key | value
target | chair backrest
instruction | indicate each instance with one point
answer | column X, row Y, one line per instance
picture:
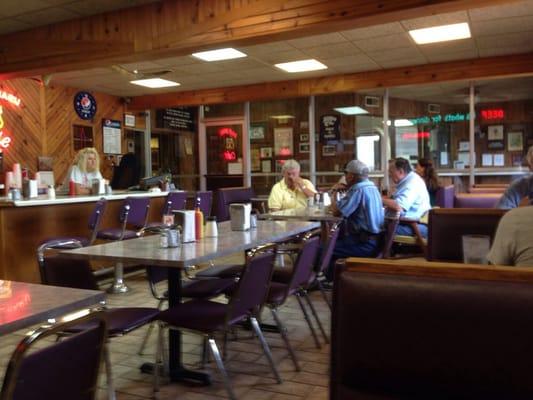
column 226, row 196
column 304, row 264
column 137, row 214
column 327, row 250
column 206, row 198
column 444, row 196
column 174, row 201
column 476, row 200
column 66, row 369
column 59, row 271
column 156, row 274
column 391, row 223
column 253, row 285
column 447, row 226
column 96, row 217
column 421, row 332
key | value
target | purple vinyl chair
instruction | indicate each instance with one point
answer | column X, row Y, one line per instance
column 208, row 317
column 191, row 289
column 94, row 223
column 132, row 217
column 300, row 277
column 174, row 201
column 63, row 370
column 60, row 271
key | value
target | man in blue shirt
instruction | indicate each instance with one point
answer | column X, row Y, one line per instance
column 362, row 210
column 411, row 197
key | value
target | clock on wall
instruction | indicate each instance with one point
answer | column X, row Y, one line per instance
column 85, row 105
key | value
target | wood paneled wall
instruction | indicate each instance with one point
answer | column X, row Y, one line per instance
column 42, row 125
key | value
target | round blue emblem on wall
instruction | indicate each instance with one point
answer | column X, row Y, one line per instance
column 85, row 105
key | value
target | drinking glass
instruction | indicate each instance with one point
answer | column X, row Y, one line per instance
column 475, row 249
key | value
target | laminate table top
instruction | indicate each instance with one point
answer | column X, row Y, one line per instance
column 26, row 304
column 301, row 214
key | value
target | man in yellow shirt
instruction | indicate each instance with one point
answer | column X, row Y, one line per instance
column 292, row 191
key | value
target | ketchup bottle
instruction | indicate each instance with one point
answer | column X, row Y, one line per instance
column 198, row 221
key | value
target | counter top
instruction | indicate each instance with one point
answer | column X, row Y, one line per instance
column 44, row 200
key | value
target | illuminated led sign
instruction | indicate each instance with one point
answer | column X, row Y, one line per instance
column 228, row 135
column 5, row 140
column 415, row 135
column 455, row 117
column 9, row 97
column 494, row 113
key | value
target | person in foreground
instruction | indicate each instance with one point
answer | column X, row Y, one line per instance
column 362, row 210
column 292, row 191
column 520, row 189
column 424, row 168
column 86, row 168
column 410, row 199
column 512, row 243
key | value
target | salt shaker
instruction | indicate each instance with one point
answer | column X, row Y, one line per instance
column 163, row 240
column 51, row 192
column 211, row 229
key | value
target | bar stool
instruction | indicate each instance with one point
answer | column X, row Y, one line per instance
column 132, row 217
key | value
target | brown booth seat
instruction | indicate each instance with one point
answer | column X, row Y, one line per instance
column 408, row 330
column 447, row 226
column 476, row 200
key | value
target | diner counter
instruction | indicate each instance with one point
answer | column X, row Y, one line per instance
column 25, row 224
column 43, row 200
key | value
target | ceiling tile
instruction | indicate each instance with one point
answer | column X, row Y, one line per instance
column 501, row 51
column 144, row 66
column 47, row 16
column 395, row 54
column 358, row 59
column 283, row 56
column 331, row 51
column 507, row 40
column 435, row 20
column 373, row 31
column 402, row 63
column 241, row 63
column 267, row 48
column 510, row 9
column 17, row 7
column 454, row 46
column 10, row 25
column 384, row 42
column 318, row 40
column 353, row 68
column 201, row 68
column 503, row 26
column 443, row 57
column 176, row 61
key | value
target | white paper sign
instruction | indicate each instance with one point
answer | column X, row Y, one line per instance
column 486, row 160
column 112, row 136
column 499, row 160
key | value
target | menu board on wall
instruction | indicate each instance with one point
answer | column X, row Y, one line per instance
column 182, row 118
column 112, row 136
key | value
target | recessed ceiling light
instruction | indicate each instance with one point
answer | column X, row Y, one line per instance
column 219, row 55
column 301, row 66
column 282, row 116
column 354, row 110
column 155, row 83
column 441, row 33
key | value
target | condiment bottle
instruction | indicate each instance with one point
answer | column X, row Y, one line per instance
column 51, row 192
column 198, row 221
column 71, row 188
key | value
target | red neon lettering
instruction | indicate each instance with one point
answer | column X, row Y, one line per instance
column 227, row 132
column 418, row 135
column 496, row 113
column 285, row 151
column 229, row 155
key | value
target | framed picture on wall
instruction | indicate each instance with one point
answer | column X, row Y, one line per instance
column 82, row 136
column 304, row 148
column 283, row 142
column 515, row 141
column 257, row 131
column 304, row 137
column 495, row 132
column 266, row 152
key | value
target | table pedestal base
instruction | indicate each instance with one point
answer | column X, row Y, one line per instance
column 182, row 375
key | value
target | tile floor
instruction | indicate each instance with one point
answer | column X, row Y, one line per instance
column 247, row 367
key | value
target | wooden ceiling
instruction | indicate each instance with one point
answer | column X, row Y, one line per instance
column 174, row 28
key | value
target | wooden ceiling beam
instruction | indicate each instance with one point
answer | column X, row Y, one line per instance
column 179, row 27
column 489, row 67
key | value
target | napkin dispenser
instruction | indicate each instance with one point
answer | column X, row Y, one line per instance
column 185, row 218
column 240, row 216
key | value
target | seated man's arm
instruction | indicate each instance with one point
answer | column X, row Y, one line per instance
column 305, row 186
column 392, row 205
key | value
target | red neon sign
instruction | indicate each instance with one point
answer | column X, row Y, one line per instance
column 9, row 97
column 5, row 140
column 229, row 155
column 417, row 135
column 494, row 113
column 222, row 132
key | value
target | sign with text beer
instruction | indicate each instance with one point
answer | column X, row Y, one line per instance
column 178, row 118
column 329, row 127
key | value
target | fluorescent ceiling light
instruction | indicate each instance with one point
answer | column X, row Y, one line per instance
column 441, row 33
column 219, row 55
column 155, row 83
column 354, row 110
column 402, row 122
column 282, row 116
column 301, row 66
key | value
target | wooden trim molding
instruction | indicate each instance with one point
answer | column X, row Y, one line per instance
column 489, row 67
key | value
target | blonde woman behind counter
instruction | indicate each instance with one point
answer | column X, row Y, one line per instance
column 292, row 191
column 86, row 168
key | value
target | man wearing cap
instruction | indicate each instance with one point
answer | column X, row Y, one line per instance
column 362, row 210
column 292, row 191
